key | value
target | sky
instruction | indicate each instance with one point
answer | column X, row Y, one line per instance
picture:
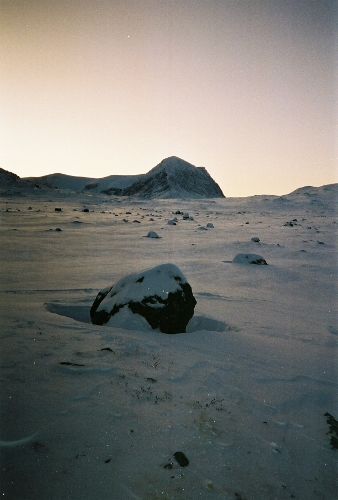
column 245, row 88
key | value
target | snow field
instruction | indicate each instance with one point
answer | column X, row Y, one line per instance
column 242, row 394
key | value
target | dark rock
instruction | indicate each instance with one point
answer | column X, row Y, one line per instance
column 333, row 429
column 181, row 458
column 93, row 185
column 58, row 209
column 161, row 295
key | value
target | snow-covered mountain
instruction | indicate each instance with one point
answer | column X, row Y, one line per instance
column 172, row 178
column 175, row 178
column 110, row 185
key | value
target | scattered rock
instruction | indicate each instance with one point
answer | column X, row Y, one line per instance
column 249, row 258
column 58, row 209
column 333, row 425
column 255, row 239
column 291, row 223
column 85, row 210
column 172, row 222
column 186, row 216
column 161, row 295
column 181, row 458
column 152, row 234
column 67, row 363
column 210, row 225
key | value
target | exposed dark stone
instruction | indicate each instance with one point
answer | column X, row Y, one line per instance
column 181, row 458
column 333, row 429
column 88, row 187
column 170, row 312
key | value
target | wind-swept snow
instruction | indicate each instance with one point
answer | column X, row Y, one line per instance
column 248, row 394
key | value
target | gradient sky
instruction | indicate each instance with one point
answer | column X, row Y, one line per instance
column 245, row 88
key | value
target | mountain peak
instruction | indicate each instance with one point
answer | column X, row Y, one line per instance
column 175, row 178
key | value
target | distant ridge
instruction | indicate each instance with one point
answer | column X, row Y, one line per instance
column 171, row 178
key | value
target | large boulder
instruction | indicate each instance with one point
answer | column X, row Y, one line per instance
column 161, row 295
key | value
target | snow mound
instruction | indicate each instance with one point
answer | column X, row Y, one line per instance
column 152, row 234
column 249, row 258
column 161, row 295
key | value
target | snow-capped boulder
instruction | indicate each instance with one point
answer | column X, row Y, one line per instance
column 249, row 258
column 161, row 295
column 152, row 234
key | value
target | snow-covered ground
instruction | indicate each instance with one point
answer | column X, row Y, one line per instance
column 98, row 412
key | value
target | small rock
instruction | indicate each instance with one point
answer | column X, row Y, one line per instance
column 210, row 225
column 181, row 458
column 186, row 216
column 152, row 234
column 249, row 258
column 255, row 239
column 58, row 209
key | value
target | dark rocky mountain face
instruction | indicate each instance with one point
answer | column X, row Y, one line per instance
column 6, row 176
column 175, row 178
column 150, row 186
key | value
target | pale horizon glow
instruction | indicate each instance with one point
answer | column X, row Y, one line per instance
column 246, row 89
